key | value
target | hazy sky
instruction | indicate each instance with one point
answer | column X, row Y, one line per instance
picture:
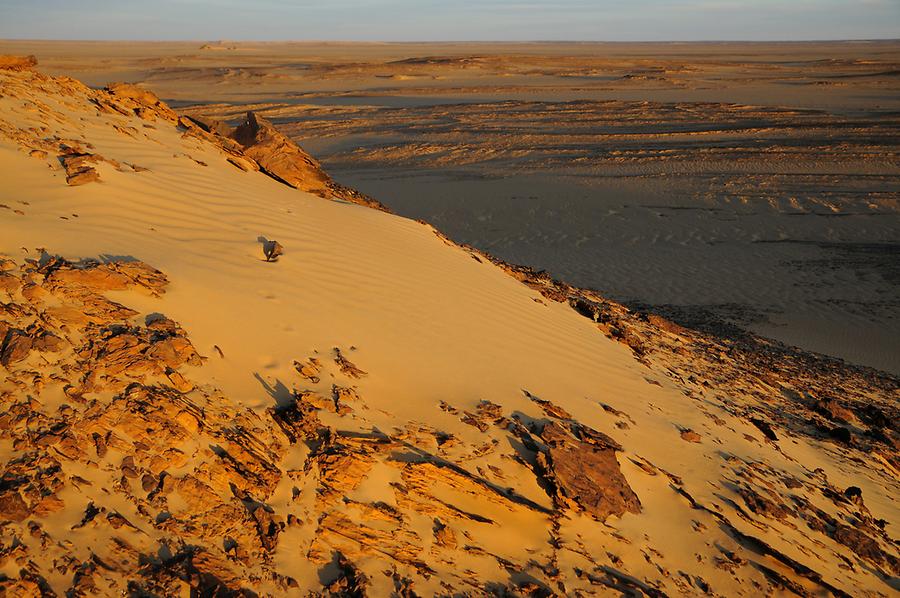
column 406, row 20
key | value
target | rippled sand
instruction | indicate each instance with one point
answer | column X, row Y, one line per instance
column 721, row 184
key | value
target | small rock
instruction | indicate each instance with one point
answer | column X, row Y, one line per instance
column 309, row 370
column 9, row 283
column 841, row 434
column 346, row 366
column 78, row 168
column 586, row 476
column 833, row 411
column 179, row 382
column 272, row 250
column 16, row 348
column 13, row 507
column 765, row 428
column 854, row 493
column 690, row 436
column 443, row 535
column 149, row 482
column 241, row 163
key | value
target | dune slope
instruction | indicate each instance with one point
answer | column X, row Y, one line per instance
column 378, row 410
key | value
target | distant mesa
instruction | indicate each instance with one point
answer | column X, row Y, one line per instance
column 218, row 46
column 458, row 61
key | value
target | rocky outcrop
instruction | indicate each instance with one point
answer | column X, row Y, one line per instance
column 183, row 464
column 764, row 373
column 345, row 366
column 255, row 145
column 128, row 99
column 585, row 473
column 147, row 457
column 140, row 96
column 78, row 168
column 263, row 147
column 10, row 62
column 279, row 156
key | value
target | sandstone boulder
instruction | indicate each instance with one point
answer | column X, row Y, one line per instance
column 78, row 168
column 586, row 475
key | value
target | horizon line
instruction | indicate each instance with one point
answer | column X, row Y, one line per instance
column 456, row 41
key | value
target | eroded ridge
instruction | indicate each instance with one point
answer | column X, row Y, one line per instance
column 254, row 146
column 131, row 475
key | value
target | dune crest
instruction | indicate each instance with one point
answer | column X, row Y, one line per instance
column 380, row 411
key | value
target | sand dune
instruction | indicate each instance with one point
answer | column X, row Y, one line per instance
column 753, row 184
column 379, row 410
